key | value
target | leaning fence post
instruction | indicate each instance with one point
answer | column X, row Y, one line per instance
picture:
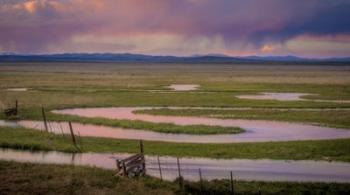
column 232, row 189
column 44, row 117
column 160, row 169
column 180, row 176
column 200, row 180
column 143, row 157
column 72, row 133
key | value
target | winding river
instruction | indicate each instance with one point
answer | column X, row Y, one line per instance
column 255, row 130
column 243, row 169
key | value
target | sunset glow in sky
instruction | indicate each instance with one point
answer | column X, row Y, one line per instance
column 307, row 28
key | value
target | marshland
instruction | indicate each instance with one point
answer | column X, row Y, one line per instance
column 135, row 99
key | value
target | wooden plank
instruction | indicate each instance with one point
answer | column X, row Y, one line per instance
column 131, row 158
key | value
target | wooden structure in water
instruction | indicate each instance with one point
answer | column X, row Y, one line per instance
column 12, row 112
column 134, row 165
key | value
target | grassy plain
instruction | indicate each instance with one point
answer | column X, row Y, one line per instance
column 67, row 85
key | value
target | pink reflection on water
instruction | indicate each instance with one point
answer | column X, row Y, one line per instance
column 256, row 130
column 243, row 169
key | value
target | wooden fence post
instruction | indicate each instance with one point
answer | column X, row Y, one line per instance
column 160, row 169
column 200, row 180
column 16, row 107
column 117, row 163
column 44, row 118
column 180, row 176
column 72, row 133
column 143, row 157
column 141, row 147
column 232, row 189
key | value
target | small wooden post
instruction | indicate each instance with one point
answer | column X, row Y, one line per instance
column 141, row 147
column 259, row 191
column 117, row 163
column 200, row 180
column 180, row 176
column 143, row 157
column 16, row 108
column 44, row 118
column 160, row 169
column 232, row 189
column 72, row 133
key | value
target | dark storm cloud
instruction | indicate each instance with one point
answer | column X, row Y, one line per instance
column 48, row 25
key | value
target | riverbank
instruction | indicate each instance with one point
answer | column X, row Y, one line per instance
column 338, row 150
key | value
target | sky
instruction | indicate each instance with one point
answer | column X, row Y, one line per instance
column 306, row 28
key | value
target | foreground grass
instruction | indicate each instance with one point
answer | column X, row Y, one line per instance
column 339, row 150
column 25, row 178
column 333, row 118
column 17, row 178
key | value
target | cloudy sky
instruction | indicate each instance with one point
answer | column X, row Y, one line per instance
column 308, row 28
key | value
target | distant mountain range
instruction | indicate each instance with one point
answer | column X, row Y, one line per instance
column 139, row 58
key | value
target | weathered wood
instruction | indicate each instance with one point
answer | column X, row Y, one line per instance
column 160, row 169
column 131, row 158
column 178, row 166
column 200, row 180
column 143, row 156
column 180, row 176
column 117, row 163
column 141, row 147
column 137, row 161
column 132, row 165
column 72, row 134
column 124, row 169
column 232, row 189
column 16, row 107
column 44, row 118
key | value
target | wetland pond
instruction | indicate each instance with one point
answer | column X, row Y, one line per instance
column 243, row 169
column 286, row 97
column 183, row 87
column 17, row 89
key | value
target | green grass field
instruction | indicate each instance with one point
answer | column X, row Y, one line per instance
column 70, row 85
